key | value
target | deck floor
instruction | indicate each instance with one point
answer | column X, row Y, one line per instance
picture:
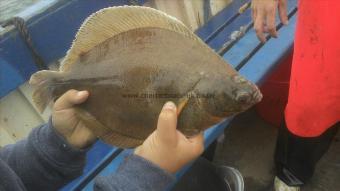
column 249, row 146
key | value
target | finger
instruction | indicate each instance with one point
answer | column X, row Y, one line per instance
column 265, row 30
column 253, row 14
column 83, row 134
column 167, row 123
column 198, row 143
column 259, row 25
column 70, row 98
column 270, row 20
column 283, row 11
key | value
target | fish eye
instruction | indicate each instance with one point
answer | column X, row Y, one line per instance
column 242, row 97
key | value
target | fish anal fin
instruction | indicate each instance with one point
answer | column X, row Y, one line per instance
column 121, row 141
column 91, row 122
column 104, row 133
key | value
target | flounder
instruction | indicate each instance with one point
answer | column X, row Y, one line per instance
column 132, row 60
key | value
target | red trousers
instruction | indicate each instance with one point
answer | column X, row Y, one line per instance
column 314, row 92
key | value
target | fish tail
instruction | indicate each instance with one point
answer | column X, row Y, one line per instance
column 42, row 81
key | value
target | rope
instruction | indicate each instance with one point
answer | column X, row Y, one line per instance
column 20, row 25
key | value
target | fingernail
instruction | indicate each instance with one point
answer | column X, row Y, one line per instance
column 81, row 93
column 169, row 105
column 285, row 22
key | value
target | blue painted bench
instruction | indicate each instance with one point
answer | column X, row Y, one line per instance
column 53, row 32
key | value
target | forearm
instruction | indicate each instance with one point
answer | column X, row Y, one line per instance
column 44, row 161
column 138, row 174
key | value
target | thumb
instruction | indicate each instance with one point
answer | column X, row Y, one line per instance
column 70, row 98
column 167, row 123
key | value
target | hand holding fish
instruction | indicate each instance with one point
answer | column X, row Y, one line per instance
column 264, row 12
column 167, row 147
column 66, row 122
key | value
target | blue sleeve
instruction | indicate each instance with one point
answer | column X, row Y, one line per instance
column 137, row 174
column 44, row 161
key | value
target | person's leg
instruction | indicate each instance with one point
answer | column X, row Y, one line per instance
column 296, row 157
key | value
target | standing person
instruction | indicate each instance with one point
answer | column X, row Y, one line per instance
column 313, row 109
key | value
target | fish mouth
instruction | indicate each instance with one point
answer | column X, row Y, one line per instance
column 246, row 101
column 257, row 96
column 248, row 98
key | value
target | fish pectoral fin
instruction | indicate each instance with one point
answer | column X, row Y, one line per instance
column 181, row 104
column 184, row 101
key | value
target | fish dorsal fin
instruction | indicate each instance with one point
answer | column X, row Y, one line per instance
column 111, row 21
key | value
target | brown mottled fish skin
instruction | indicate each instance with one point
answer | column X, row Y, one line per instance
column 151, row 62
